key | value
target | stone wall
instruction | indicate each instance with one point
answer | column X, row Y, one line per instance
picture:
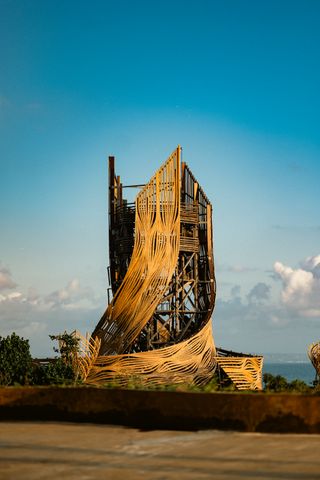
column 252, row 412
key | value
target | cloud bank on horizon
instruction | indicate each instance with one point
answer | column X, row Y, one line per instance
column 73, row 306
column 36, row 316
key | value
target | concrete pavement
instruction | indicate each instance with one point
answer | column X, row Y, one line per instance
column 34, row 451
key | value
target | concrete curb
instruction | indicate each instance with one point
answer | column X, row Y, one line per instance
column 255, row 412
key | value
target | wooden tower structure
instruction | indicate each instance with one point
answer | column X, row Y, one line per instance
column 190, row 294
column 158, row 323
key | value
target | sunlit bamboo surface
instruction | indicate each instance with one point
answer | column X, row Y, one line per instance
column 191, row 361
column 155, row 254
column 154, row 258
column 314, row 355
column 245, row 372
column 88, row 351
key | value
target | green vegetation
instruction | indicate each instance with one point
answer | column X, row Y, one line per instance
column 277, row 383
column 18, row 368
column 15, row 361
column 136, row 383
column 62, row 370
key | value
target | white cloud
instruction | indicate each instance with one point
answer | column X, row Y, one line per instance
column 235, row 291
column 35, row 316
column 312, row 264
column 250, row 326
column 235, row 268
column 72, row 296
column 260, row 292
column 6, row 281
column 301, row 286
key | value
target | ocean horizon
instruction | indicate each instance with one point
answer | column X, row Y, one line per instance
column 291, row 370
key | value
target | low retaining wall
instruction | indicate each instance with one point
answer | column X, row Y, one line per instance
column 255, row 412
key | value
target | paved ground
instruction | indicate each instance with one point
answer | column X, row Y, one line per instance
column 76, row 451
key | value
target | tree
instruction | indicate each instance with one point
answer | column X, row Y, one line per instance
column 15, row 360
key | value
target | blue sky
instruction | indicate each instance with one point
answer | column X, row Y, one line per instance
column 235, row 83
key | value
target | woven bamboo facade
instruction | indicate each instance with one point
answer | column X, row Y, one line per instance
column 314, row 355
column 157, row 326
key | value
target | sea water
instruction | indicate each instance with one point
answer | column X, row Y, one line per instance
column 291, row 370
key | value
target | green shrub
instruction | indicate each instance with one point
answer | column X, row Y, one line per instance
column 64, row 369
column 55, row 373
column 278, row 383
column 275, row 383
column 299, row 386
column 15, row 360
column 68, row 346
